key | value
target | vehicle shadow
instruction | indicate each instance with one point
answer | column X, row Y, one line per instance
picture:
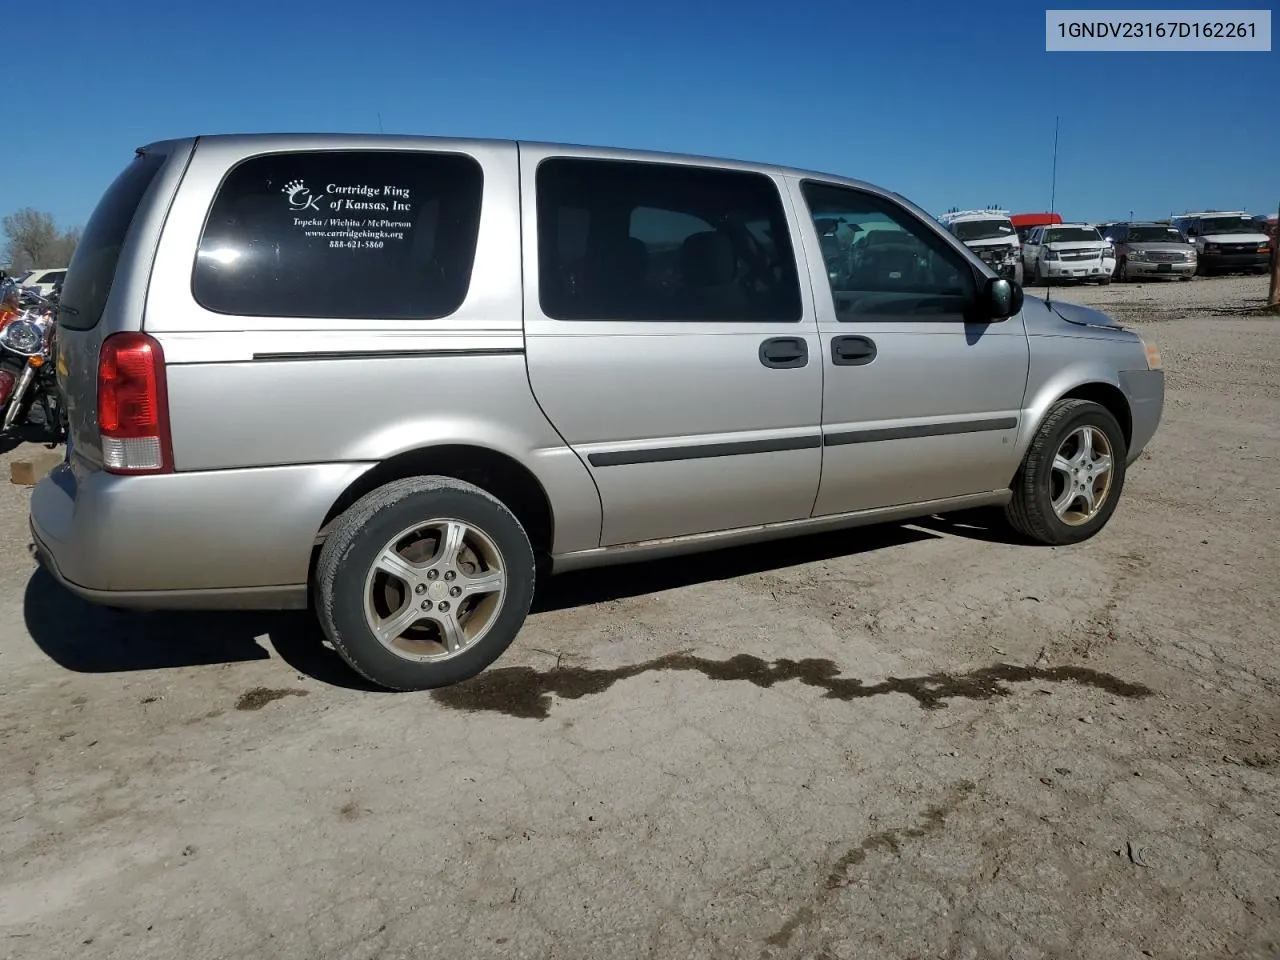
column 652, row 576
column 27, row 434
column 983, row 523
column 87, row 638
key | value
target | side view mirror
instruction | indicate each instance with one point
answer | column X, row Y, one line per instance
column 1001, row 299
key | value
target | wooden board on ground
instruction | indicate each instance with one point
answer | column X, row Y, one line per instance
column 30, row 470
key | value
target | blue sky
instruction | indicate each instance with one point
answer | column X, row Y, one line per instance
column 949, row 104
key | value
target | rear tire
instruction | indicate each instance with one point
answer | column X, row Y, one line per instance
column 354, row 591
column 1039, row 484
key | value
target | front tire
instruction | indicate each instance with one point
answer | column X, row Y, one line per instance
column 1072, row 476
column 424, row 582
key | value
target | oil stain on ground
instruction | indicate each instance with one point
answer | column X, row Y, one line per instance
column 931, row 821
column 525, row 692
column 259, row 697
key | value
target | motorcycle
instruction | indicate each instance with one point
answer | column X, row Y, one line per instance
column 28, row 373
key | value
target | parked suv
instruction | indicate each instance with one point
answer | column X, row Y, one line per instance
column 989, row 234
column 1066, row 251
column 1226, row 241
column 390, row 378
column 1151, row 250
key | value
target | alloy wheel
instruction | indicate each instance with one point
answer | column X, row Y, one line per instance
column 435, row 589
column 1080, row 481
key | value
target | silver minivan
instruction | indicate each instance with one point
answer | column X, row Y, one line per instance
column 394, row 379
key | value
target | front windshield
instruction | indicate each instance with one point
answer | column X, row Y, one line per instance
column 1070, row 234
column 1154, row 235
column 982, row 229
column 1209, row 225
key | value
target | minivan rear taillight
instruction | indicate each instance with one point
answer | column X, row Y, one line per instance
column 133, row 409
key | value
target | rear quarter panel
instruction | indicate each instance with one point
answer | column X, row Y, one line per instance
column 252, row 392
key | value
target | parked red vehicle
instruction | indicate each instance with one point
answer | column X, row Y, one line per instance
column 1025, row 222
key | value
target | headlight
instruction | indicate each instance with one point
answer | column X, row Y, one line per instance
column 23, row 336
column 1137, row 255
column 1210, row 246
column 1153, row 355
column 1050, row 255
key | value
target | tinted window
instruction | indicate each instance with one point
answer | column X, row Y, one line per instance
column 54, row 277
column 883, row 263
column 359, row 234
column 93, row 265
column 621, row 240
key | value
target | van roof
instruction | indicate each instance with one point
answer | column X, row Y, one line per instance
column 959, row 216
column 294, row 141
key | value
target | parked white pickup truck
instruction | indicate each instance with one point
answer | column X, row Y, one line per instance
column 1066, row 251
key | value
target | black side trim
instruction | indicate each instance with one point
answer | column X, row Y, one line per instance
column 621, row 458
column 386, row 354
column 920, row 430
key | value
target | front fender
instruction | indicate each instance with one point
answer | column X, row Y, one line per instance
column 1052, row 378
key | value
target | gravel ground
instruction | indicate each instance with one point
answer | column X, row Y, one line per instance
column 914, row 741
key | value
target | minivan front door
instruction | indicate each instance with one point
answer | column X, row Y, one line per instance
column 670, row 341
column 918, row 405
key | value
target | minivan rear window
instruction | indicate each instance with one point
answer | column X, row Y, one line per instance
column 93, row 265
column 359, row 234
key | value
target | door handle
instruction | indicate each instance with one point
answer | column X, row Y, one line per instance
column 784, row 353
column 852, row 351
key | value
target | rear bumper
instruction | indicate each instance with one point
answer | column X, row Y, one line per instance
column 1145, row 392
column 228, row 539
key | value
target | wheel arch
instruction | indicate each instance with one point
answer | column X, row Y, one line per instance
column 497, row 473
column 1093, row 386
column 1105, row 395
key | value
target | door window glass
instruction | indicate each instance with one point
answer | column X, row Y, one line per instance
column 883, row 263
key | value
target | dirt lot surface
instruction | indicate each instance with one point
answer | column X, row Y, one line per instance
column 913, row 741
